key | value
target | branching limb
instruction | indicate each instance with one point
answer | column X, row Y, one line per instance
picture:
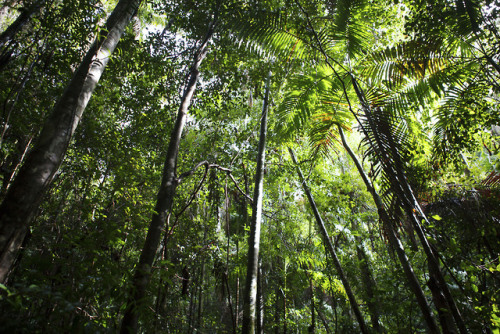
column 208, row 165
column 190, row 172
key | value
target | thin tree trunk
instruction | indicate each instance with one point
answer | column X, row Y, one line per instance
column 22, row 199
column 435, row 268
column 250, row 295
column 445, row 317
column 328, row 245
column 394, row 241
column 23, row 148
column 229, row 299
column 402, row 189
column 276, row 310
column 323, row 320
column 312, row 326
column 164, row 200
column 285, row 306
column 190, row 326
column 199, row 322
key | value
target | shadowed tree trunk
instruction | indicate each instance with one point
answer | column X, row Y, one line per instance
column 250, row 295
column 445, row 317
column 165, row 197
column 402, row 189
column 41, row 164
column 328, row 245
column 394, row 241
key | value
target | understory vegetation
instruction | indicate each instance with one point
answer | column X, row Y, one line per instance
column 244, row 166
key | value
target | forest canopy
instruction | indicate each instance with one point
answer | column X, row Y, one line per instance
column 245, row 166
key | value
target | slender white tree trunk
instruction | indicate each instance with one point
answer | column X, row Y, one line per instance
column 250, row 295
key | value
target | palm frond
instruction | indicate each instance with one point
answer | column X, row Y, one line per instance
column 317, row 96
column 323, row 136
column 467, row 17
column 409, row 82
column 464, row 111
column 413, row 60
column 267, row 33
column 386, row 141
column 350, row 29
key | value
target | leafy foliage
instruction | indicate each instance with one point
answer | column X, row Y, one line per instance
column 414, row 83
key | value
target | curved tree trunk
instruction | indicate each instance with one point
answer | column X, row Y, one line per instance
column 328, row 245
column 250, row 295
column 35, row 176
column 164, row 198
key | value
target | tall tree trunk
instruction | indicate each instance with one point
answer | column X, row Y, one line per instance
column 435, row 270
column 250, row 295
column 164, row 198
column 199, row 318
column 394, row 241
column 285, row 301
column 445, row 317
column 276, row 310
column 312, row 326
column 35, row 176
column 328, row 245
column 402, row 189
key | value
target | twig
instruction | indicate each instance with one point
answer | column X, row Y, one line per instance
column 207, row 166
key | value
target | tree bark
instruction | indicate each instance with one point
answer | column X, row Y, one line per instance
column 164, row 197
column 394, row 241
column 369, row 283
column 260, row 302
column 22, row 199
column 250, row 295
column 328, row 245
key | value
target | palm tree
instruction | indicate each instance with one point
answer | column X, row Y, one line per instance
column 329, row 246
column 387, row 85
column 384, row 137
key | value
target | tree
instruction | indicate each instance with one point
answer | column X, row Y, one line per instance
column 250, row 295
column 19, row 23
column 165, row 194
column 391, row 107
column 42, row 163
column 331, row 250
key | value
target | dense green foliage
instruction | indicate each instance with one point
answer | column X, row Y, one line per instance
column 415, row 86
